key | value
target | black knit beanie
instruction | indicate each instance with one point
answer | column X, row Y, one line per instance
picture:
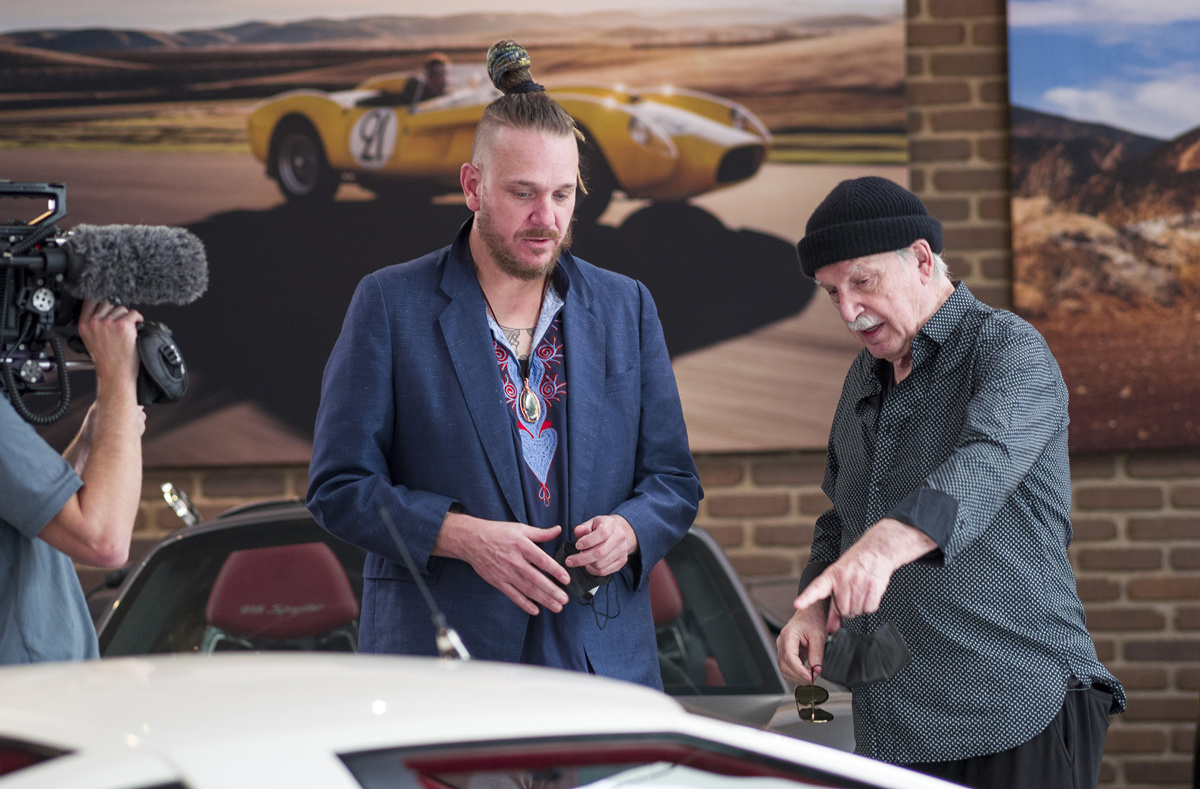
column 865, row 216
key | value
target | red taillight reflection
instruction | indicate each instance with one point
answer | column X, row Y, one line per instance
column 19, row 755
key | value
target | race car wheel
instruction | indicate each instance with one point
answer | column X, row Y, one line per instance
column 301, row 169
column 599, row 179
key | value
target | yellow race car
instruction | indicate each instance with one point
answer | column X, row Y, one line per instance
column 662, row 144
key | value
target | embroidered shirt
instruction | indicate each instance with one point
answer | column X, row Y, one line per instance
column 970, row 448
column 541, row 445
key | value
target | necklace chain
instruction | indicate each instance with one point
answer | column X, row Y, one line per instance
column 527, row 401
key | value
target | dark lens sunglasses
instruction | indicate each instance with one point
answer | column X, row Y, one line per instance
column 807, row 699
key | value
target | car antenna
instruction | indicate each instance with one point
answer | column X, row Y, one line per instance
column 449, row 645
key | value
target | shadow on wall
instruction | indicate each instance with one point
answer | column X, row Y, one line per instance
column 280, row 282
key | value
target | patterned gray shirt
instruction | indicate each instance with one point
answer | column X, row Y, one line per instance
column 971, row 448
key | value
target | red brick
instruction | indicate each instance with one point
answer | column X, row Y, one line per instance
column 976, row 63
column 808, row 469
column 1165, row 528
column 914, row 64
column 719, row 473
column 916, row 125
column 1094, row 529
column 795, row 534
column 933, row 34
column 1187, row 618
column 957, row 150
column 1173, row 649
column 814, row 504
column 749, row 505
column 993, row 149
column 994, row 91
column 1187, row 678
column 726, row 536
column 1104, row 618
column 919, row 94
column 968, row 120
column 1096, row 589
column 949, row 9
column 990, row 33
column 959, row 266
column 750, row 565
column 949, row 209
column 1185, row 558
column 975, row 237
column 997, row 267
column 1163, row 771
column 916, row 180
column 1092, row 466
column 1135, row 677
column 1120, row 559
column 1187, row 496
column 1183, row 739
column 1106, row 650
column 1118, row 497
column 996, row 296
column 1163, row 588
column 991, row 207
column 1145, row 707
column 976, row 179
column 1164, row 464
column 1129, row 739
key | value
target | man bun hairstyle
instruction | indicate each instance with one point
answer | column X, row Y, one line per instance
column 525, row 104
column 865, row 216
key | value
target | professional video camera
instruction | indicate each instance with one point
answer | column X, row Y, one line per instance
column 46, row 274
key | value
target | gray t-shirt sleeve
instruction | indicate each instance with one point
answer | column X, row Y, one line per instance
column 35, row 481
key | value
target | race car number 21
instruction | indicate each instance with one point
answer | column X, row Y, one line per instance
column 374, row 138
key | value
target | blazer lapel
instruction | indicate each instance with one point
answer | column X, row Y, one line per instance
column 468, row 340
column 586, row 353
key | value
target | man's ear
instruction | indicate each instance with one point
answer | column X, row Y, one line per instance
column 924, row 255
column 471, row 179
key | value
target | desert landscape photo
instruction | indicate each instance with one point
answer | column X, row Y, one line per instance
column 1106, row 225
column 148, row 126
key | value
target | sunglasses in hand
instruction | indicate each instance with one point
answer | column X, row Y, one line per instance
column 807, row 699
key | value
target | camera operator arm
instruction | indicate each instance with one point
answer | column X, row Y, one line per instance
column 95, row 525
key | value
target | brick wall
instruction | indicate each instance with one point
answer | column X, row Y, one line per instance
column 1137, row 516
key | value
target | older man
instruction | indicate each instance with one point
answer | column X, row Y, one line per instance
column 948, row 471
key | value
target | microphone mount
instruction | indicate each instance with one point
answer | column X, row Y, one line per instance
column 39, row 313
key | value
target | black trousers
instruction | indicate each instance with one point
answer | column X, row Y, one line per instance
column 1066, row 755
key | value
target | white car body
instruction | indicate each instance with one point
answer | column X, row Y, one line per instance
column 286, row 719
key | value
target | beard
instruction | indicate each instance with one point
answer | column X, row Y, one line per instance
column 503, row 253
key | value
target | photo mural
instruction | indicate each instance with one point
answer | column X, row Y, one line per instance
column 1106, row 210
column 293, row 145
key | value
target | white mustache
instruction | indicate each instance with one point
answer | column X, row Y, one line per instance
column 864, row 323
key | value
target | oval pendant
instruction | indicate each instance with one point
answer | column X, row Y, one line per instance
column 531, row 409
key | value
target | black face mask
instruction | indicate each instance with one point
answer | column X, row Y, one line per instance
column 856, row 659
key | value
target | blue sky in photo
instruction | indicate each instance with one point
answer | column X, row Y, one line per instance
column 1132, row 64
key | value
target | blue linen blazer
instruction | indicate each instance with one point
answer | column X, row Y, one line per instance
column 413, row 418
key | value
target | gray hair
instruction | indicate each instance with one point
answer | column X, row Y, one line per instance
column 939, row 264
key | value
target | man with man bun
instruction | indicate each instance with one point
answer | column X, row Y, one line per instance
column 501, row 398
column 948, row 471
